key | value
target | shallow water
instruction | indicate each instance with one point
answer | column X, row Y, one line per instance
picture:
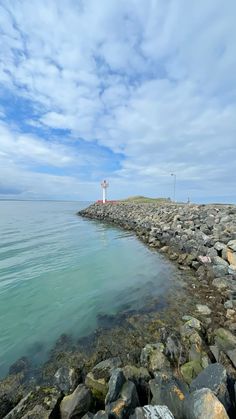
column 58, row 272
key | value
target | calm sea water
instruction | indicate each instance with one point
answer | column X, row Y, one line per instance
column 58, row 271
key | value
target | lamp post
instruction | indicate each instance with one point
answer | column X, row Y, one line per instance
column 174, row 176
column 104, row 186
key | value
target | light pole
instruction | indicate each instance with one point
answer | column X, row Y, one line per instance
column 174, row 176
column 104, row 186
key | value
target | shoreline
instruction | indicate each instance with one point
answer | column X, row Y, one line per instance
column 150, row 358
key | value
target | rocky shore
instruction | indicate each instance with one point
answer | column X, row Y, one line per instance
column 177, row 363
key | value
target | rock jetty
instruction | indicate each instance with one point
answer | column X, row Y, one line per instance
column 145, row 367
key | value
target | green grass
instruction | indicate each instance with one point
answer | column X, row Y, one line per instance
column 144, row 199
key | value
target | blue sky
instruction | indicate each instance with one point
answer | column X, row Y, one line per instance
column 130, row 91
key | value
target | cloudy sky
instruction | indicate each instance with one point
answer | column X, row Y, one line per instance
column 125, row 90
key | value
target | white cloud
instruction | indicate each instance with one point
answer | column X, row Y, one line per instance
column 155, row 80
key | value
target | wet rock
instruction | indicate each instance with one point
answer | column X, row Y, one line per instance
column 152, row 412
column 153, row 358
column 66, row 379
column 42, row 401
column 203, row 309
column 104, row 368
column 76, row 404
column 203, row 404
column 11, row 392
column 170, row 392
column 115, row 384
column 214, row 377
column 126, row 403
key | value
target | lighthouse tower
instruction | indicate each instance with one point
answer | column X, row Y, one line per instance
column 104, row 186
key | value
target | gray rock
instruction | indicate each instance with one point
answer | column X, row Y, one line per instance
column 104, row 368
column 232, row 356
column 232, row 270
column 224, row 339
column 220, row 270
column 213, row 377
column 203, row 404
column 153, row 358
column 66, row 379
column 152, row 412
column 101, row 414
column 115, row 384
column 41, row 404
column 126, row 404
column 232, row 245
column 169, row 392
column 220, row 283
column 219, row 246
column 203, row 309
column 88, row 415
column 76, row 404
column 228, row 304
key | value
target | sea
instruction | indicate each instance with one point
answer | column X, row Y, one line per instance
column 59, row 272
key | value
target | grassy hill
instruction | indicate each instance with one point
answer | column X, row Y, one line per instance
column 144, row 199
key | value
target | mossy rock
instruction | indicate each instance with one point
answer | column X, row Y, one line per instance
column 190, row 370
column 98, row 387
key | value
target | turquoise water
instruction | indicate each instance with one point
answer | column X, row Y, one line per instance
column 58, row 271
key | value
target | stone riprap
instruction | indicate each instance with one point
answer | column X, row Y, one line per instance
column 193, row 235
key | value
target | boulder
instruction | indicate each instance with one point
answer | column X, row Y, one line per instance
column 213, row 377
column 231, row 256
column 153, row 358
column 232, row 245
column 224, row 339
column 11, row 392
column 77, row 403
column 170, row 392
column 125, row 404
column 220, row 283
column 203, row 309
column 104, row 368
column 101, row 414
column 98, row 387
column 66, row 379
column 115, row 384
column 192, row 323
column 152, row 412
column 203, row 404
column 41, row 403
column 190, row 370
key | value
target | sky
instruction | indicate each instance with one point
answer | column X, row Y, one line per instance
column 127, row 91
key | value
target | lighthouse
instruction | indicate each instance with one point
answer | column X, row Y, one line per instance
column 104, row 186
